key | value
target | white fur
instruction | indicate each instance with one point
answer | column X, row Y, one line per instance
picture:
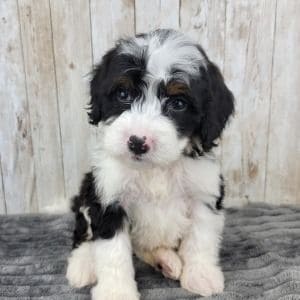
column 169, row 261
column 202, row 278
column 85, row 211
column 81, row 271
column 114, row 166
column 114, row 269
column 199, row 251
column 176, row 51
column 107, row 262
column 169, row 198
column 202, row 177
column 165, row 145
column 168, row 205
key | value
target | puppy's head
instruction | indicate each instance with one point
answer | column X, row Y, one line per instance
column 157, row 96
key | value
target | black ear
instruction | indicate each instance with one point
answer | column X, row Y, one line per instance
column 217, row 109
column 98, row 88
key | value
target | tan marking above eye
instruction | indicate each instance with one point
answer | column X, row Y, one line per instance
column 124, row 81
column 176, row 88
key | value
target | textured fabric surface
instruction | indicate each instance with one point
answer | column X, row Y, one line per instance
column 260, row 257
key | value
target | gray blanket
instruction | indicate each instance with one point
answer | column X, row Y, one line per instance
column 260, row 257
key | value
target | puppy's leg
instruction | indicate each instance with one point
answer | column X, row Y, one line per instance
column 103, row 250
column 114, row 268
column 169, row 262
column 112, row 254
column 80, row 270
column 163, row 259
column 199, row 251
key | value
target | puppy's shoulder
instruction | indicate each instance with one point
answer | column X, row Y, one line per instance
column 205, row 165
column 202, row 174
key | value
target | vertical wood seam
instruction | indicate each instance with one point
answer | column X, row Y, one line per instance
column 111, row 21
column 270, row 102
column 179, row 13
column 57, row 99
column 3, row 187
column 91, row 34
column 244, row 160
column 225, row 34
column 28, row 111
column 159, row 9
column 223, row 70
column 134, row 15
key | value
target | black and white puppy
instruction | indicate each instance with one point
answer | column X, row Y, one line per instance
column 154, row 189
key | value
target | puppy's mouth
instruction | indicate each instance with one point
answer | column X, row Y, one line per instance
column 137, row 157
column 141, row 159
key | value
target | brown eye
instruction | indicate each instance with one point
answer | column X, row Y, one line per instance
column 177, row 104
column 123, row 95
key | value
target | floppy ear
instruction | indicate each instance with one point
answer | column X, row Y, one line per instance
column 98, row 87
column 217, row 109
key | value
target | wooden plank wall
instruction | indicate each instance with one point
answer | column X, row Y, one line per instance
column 48, row 48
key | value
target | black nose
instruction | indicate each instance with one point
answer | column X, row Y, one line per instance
column 137, row 145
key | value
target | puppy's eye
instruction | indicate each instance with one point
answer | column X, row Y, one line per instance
column 177, row 104
column 124, row 95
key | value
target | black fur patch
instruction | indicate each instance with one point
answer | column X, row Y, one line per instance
column 104, row 222
column 111, row 221
column 218, row 106
column 219, row 203
column 210, row 102
column 113, row 66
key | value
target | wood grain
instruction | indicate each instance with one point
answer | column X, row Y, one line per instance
column 17, row 157
column 3, row 209
column 204, row 21
column 248, row 62
column 150, row 15
column 48, row 47
column 283, row 170
column 110, row 20
column 73, row 62
column 42, row 100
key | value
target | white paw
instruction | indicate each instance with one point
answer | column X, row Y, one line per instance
column 104, row 291
column 80, row 270
column 202, row 279
column 168, row 262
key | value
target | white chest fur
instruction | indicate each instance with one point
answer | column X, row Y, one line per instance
column 158, row 209
column 158, row 201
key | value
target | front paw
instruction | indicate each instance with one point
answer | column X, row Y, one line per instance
column 168, row 262
column 202, row 279
column 103, row 291
column 80, row 270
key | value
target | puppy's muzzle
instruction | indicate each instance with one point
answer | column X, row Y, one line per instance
column 138, row 145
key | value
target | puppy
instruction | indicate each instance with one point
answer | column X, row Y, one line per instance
column 154, row 189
